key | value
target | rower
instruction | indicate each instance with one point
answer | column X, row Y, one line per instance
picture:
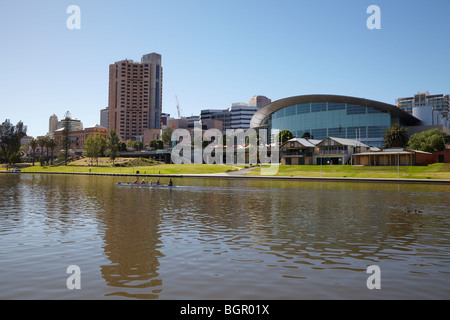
column 170, row 183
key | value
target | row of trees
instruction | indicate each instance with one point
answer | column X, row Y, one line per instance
column 429, row 141
column 97, row 146
column 44, row 142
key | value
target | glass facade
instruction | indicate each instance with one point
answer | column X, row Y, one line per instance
column 329, row 119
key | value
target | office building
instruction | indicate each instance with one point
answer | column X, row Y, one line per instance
column 74, row 124
column 53, row 124
column 135, row 97
column 104, row 118
column 259, row 101
column 238, row 116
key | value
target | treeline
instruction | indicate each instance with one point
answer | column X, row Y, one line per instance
column 10, row 136
column 432, row 140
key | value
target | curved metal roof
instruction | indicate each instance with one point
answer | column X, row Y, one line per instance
column 265, row 111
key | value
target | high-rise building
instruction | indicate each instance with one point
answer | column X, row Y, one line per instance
column 432, row 110
column 238, row 116
column 74, row 124
column 53, row 124
column 259, row 101
column 135, row 97
column 104, row 118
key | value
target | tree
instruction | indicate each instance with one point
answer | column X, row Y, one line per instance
column 33, row 144
column 51, row 144
column 395, row 137
column 307, row 135
column 66, row 136
column 14, row 158
column 157, row 144
column 252, row 137
column 41, row 142
column 167, row 137
column 122, row 146
column 47, row 142
column 10, row 137
column 93, row 147
column 112, row 145
column 224, row 140
column 429, row 141
column 137, row 145
column 285, row 136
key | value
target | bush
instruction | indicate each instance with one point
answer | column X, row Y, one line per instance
column 139, row 162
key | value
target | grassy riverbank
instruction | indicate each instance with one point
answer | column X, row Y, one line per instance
column 433, row 171
column 156, row 169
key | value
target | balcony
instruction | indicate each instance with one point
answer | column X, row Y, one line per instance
column 299, row 152
column 332, row 151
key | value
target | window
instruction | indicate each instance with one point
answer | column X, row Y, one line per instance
column 354, row 109
column 336, row 106
column 337, row 132
column 356, row 132
column 319, row 133
column 375, row 131
column 304, row 108
column 373, row 110
column 318, row 106
column 290, row 111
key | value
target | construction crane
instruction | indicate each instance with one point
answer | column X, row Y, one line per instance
column 178, row 108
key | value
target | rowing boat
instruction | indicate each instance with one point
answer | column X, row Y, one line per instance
column 145, row 185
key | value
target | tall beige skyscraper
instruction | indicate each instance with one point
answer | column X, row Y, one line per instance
column 52, row 125
column 135, row 96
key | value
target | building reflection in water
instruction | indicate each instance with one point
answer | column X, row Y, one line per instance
column 132, row 243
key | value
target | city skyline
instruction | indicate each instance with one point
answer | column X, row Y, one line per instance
column 215, row 54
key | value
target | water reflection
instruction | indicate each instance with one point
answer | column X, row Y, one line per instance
column 224, row 239
column 132, row 243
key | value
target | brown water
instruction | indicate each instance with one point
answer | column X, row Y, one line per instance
column 221, row 239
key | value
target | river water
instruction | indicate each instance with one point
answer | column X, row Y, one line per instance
column 211, row 238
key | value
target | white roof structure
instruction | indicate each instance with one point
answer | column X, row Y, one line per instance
column 305, row 142
column 347, row 142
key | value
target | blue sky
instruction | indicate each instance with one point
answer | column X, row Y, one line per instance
column 217, row 52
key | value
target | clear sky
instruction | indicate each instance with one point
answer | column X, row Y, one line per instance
column 216, row 52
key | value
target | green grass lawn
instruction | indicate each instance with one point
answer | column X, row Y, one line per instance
column 156, row 169
column 433, row 171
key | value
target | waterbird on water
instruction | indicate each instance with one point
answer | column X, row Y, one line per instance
column 412, row 211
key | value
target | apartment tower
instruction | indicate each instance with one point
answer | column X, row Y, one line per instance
column 135, row 97
column 52, row 124
column 430, row 109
